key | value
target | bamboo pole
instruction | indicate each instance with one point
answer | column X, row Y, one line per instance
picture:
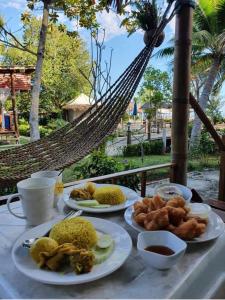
column 221, row 195
column 180, row 107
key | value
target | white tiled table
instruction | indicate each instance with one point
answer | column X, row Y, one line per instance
column 133, row 280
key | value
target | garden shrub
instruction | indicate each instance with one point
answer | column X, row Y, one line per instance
column 152, row 147
column 99, row 164
column 24, row 129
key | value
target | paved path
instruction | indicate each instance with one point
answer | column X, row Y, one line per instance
column 205, row 183
column 115, row 147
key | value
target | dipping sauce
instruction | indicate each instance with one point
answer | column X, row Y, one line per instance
column 160, row 250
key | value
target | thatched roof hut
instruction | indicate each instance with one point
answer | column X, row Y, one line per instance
column 75, row 107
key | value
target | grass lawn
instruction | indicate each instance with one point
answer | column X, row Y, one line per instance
column 197, row 164
column 23, row 140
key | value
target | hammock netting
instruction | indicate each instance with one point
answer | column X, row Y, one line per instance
column 77, row 139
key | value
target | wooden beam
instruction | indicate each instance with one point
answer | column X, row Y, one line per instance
column 13, row 96
column 221, row 195
column 205, row 120
column 181, row 83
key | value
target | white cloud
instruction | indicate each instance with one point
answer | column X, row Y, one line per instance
column 17, row 4
column 111, row 23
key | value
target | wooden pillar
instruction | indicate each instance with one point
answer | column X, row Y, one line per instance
column 180, row 107
column 13, row 96
column 128, row 133
column 221, row 195
column 143, row 183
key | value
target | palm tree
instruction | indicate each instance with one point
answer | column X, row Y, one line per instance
column 208, row 51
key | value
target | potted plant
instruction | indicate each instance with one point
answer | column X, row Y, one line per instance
column 145, row 16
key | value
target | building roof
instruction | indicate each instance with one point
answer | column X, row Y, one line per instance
column 81, row 102
column 16, row 69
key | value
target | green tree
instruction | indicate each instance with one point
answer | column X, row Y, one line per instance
column 64, row 56
column 208, row 53
column 154, row 92
column 85, row 14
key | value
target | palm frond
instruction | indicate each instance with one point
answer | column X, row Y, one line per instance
column 165, row 52
column 221, row 15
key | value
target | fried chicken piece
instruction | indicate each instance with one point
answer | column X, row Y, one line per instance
column 140, row 207
column 200, row 229
column 154, row 203
column 140, row 218
column 157, row 220
column 176, row 215
column 187, row 230
column 82, row 261
column 176, row 202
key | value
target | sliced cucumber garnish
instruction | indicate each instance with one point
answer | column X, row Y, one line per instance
column 102, row 254
column 104, row 241
column 88, row 203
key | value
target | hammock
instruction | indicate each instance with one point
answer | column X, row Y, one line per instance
column 74, row 141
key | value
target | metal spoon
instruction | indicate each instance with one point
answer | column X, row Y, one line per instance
column 28, row 243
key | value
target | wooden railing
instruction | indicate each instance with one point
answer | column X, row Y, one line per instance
column 143, row 171
column 113, row 177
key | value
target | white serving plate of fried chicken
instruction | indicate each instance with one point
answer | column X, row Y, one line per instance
column 174, row 215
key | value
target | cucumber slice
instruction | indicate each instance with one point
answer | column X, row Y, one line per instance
column 102, row 254
column 88, row 203
column 102, row 206
column 104, row 241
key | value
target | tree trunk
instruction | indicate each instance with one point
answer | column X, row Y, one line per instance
column 203, row 100
column 35, row 94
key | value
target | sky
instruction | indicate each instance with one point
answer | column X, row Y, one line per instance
column 125, row 48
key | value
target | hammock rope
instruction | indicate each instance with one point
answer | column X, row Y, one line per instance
column 74, row 141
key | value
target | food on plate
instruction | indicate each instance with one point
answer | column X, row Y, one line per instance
column 90, row 187
column 104, row 241
column 77, row 230
column 74, row 244
column 103, row 249
column 85, row 193
column 88, row 203
column 44, row 244
column 173, row 215
column 190, row 229
column 112, row 195
column 80, row 194
column 168, row 192
column 82, row 261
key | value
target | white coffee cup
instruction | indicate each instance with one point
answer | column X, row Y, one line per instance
column 54, row 175
column 37, row 196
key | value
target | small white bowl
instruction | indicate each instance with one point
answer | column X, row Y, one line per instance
column 160, row 238
column 201, row 210
column 185, row 191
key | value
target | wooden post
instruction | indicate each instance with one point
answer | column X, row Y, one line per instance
column 143, row 183
column 164, row 139
column 128, row 133
column 221, row 195
column 180, row 107
column 13, row 96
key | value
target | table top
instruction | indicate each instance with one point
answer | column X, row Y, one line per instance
column 133, row 280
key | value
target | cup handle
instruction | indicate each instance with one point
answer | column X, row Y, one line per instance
column 9, row 208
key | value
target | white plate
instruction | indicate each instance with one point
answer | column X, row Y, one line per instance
column 214, row 228
column 122, row 249
column 131, row 197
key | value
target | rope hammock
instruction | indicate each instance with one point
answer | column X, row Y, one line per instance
column 74, row 141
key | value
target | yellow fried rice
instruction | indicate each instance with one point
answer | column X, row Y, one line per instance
column 112, row 195
column 78, row 231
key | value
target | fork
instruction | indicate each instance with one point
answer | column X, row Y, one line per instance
column 28, row 243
